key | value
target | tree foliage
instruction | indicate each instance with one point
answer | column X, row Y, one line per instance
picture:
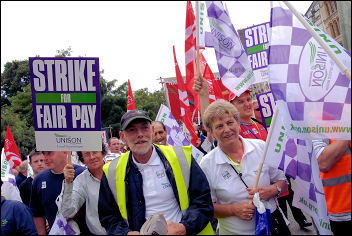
column 22, row 133
column 149, row 102
column 64, row 52
column 14, row 77
column 113, row 105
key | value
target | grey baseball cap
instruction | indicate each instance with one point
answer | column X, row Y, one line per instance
column 130, row 116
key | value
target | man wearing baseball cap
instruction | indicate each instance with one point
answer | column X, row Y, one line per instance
column 249, row 128
column 151, row 179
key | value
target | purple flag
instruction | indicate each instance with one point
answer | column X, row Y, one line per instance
column 234, row 68
column 311, row 92
column 175, row 136
column 294, row 157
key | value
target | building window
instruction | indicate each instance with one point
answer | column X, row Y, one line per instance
column 333, row 31
column 327, row 8
column 316, row 7
column 332, row 7
column 337, row 28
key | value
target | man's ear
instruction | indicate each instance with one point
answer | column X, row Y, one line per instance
column 122, row 137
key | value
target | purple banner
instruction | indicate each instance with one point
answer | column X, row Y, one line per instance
column 266, row 104
column 65, row 93
column 256, row 44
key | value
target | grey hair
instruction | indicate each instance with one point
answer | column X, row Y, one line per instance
column 218, row 109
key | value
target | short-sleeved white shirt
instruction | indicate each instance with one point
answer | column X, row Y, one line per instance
column 157, row 190
column 226, row 186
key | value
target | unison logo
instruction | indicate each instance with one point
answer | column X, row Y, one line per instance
column 65, row 139
column 317, row 72
column 225, row 43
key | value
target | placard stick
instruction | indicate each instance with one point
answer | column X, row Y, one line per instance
column 110, row 131
column 315, row 35
column 69, row 157
column 273, row 121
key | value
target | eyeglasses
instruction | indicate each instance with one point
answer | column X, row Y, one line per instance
column 88, row 154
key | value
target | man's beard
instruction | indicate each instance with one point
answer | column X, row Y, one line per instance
column 144, row 150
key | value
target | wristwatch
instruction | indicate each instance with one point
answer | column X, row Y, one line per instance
column 278, row 190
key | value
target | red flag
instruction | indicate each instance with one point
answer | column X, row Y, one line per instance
column 224, row 90
column 130, row 102
column 184, row 103
column 172, row 93
column 11, row 151
column 214, row 90
column 191, row 55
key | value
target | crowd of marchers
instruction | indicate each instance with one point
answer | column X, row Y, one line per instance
column 116, row 190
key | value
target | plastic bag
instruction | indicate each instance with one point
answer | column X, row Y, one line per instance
column 263, row 222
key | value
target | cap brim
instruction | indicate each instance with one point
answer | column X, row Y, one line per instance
column 132, row 119
column 233, row 96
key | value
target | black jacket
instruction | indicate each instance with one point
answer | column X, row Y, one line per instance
column 197, row 216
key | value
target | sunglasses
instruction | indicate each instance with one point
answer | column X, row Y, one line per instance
column 257, row 109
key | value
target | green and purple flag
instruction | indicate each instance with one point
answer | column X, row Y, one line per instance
column 312, row 94
column 234, row 68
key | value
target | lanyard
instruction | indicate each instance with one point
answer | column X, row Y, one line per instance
column 250, row 130
column 236, row 165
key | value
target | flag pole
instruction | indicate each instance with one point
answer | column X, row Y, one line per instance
column 197, row 37
column 315, row 35
column 273, row 121
column 204, row 101
column 110, row 131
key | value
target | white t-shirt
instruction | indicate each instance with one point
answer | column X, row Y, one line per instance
column 157, row 190
column 226, row 186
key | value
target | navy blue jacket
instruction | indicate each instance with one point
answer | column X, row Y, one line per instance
column 16, row 218
column 20, row 178
column 197, row 216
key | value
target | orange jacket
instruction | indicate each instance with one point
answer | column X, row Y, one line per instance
column 337, row 185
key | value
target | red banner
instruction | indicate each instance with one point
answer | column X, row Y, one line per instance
column 11, row 151
column 172, row 93
column 130, row 102
column 186, row 114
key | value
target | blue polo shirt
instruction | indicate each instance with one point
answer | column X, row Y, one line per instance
column 46, row 187
column 16, row 218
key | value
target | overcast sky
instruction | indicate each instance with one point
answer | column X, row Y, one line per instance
column 133, row 40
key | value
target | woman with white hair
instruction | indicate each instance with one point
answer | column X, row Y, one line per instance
column 231, row 170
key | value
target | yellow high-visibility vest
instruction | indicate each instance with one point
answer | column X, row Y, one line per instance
column 115, row 172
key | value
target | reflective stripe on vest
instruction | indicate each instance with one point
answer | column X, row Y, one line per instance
column 116, row 180
column 180, row 164
column 337, row 183
column 180, row 161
